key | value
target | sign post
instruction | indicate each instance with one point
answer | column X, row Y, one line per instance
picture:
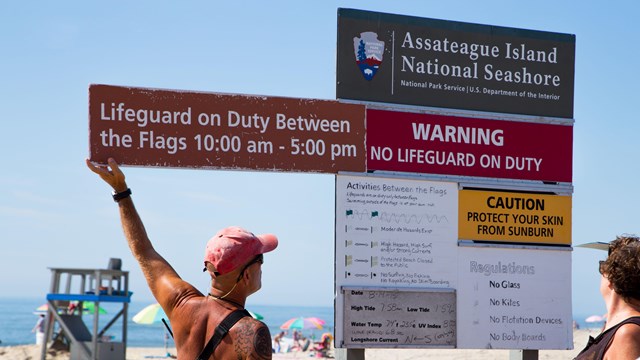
column 487, row 106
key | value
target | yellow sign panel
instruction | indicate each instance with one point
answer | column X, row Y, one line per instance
column 514, row 217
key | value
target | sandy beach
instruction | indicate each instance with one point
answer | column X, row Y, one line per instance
column 32, row 352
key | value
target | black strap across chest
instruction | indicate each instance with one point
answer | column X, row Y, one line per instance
column 220, row 332
column 597, row 347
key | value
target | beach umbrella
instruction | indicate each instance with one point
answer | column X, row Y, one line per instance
column 318, row 320
column 153, row 314
column 301, row 323
column 41, row 310
column 255, row 315
column 150, row 315
column 594, row 319
column 89, row 307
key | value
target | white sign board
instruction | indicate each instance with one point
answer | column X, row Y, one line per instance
column 400, row 236
column 394, row 233
column 514, row 299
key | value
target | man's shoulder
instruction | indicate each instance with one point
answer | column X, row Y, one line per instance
column 248, row 326
column 248, row 338
column 251, row 339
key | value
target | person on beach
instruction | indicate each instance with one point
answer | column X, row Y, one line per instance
column 233, row 258
column 322, row 348
column 297, row 337
column 39, row 330
column 620, row 288
column 277, row 345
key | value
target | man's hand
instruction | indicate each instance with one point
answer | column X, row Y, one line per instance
column 111, row 174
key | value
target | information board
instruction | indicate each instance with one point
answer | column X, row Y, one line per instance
column 428, row 62
column 514, row 298
column 395, row 232
column 402, row 317
column 398, row 235
column 171, row 128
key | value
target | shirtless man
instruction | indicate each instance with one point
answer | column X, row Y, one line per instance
column 233, row 258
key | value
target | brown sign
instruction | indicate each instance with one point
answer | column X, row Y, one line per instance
column 169, row 128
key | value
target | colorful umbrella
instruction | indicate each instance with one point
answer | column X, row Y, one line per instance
column 301, row 323
column 255, row 315
column 150, row 315
column 89, row 307
column 154, row 314
column 318, row 320
column 41, row 310
column 594, row 319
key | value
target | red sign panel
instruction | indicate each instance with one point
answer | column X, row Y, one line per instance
column 170, row 128
column 447, row 145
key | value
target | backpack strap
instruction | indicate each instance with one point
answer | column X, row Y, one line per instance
column 220, row 332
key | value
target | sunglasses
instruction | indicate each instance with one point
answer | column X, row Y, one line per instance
column 258, row 259
column 600, row 267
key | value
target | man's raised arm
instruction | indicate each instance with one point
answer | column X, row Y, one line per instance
column 164, row 282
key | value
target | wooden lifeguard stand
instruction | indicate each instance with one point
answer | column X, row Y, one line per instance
column 84, row 285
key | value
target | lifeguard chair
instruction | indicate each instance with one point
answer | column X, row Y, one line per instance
column 87, row 285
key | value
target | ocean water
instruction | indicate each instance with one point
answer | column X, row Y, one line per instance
column 17, row 318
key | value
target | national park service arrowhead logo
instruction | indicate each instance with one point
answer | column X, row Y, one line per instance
column 369, row 51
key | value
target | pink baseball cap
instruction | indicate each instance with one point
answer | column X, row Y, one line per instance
column 234, row 246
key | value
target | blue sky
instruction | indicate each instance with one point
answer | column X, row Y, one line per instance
column 55, row 213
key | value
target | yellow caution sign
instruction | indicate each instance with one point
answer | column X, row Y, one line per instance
column 514, row 217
